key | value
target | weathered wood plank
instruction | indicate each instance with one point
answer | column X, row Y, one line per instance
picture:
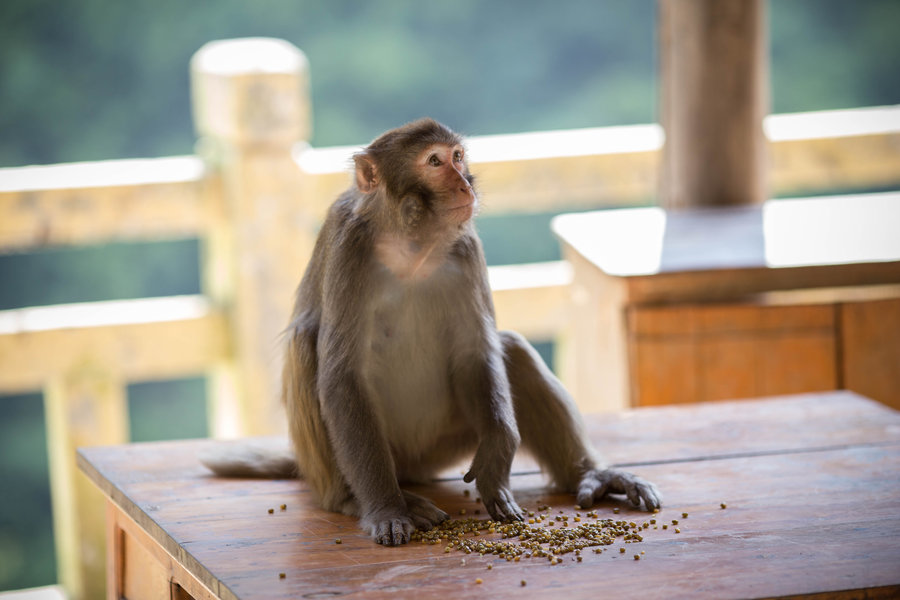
column 799, row 472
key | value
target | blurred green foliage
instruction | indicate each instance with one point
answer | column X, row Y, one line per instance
column 26, row 526
column 113, row 271
column 95, row 79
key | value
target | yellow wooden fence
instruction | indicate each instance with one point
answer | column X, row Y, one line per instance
column 254, row 195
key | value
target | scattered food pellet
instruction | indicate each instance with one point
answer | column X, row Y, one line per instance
column 478, row 580
column 337, row 541
column 284, row 507
column 271, row 511
column 723, row 505
column 637, row 557
column 281, row 575
column 616, row 511
column 523, row 583
column 684, row 515
column 545, row 536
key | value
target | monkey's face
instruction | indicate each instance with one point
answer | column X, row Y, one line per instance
column 443, row 171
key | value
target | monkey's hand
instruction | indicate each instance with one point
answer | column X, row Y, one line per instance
column 596, row 483
column 495, row 493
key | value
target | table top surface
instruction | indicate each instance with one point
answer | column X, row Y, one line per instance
column 811, row 483
column 790, row 233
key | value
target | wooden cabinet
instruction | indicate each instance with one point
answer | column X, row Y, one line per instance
column 699, row 353
column 793, row 296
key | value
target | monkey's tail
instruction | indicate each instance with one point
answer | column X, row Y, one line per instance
column 263, row 458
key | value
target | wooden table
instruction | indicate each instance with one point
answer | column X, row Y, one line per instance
column 811, row 483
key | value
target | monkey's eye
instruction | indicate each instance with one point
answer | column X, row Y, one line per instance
column 457, row 156
column 434, row 161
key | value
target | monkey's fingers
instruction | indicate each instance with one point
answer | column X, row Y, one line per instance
column 503, row 507
column 596, row 484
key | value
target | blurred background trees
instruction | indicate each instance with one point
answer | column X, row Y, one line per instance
column 94, row 79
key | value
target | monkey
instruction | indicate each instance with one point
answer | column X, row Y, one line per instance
column 394, row 367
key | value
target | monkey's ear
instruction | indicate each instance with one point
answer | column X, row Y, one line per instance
column 366, row 173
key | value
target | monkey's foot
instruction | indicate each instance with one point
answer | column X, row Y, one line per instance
column 423, row 512
column 388, row 529
column 596, row 483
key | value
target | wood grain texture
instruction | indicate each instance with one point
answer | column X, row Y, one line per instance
column 715, row 150
column 703, row 352
column 871, row 349
column 811, row 483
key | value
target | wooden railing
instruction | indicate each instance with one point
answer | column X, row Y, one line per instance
column 255, row 196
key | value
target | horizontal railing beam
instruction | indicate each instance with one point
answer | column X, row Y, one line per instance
column 157, row 338
column 84, row 203
column 532, row 299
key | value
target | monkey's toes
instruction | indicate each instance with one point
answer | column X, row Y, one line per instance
column 393, row 532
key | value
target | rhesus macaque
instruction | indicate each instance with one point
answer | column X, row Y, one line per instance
column 395, row 369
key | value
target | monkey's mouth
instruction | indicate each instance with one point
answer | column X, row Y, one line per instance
column 461, row 212
column 467, row 204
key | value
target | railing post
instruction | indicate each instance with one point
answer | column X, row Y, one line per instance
column 251, row 107
column 714, row 72
column 85, row 406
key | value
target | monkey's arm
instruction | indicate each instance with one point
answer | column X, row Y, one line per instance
column 486, row 391
column 481, row 386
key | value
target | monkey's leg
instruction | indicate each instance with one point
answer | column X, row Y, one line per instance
column 423, row 512
column 552, row 431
